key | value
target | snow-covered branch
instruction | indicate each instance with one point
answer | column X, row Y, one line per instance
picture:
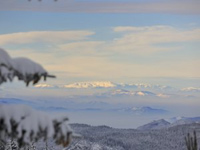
column 25, row 125
column 22, row 123
column 22, row 68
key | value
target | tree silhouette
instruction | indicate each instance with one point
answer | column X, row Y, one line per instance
column 191, row 142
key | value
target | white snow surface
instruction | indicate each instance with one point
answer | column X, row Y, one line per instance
column 5, row 65
column 26, row 66
column 5, row 59
column 29, row 120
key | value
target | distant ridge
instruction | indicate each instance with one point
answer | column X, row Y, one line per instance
column 95, row 84
column 158, row 124
column 106, row 84
column 162, row 123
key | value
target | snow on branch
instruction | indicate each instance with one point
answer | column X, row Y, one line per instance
column 25, row 125
column 22, row 123
column 23, row 68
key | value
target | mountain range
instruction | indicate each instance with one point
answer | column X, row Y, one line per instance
column 69, row 106
column 163, row 123
column 143, row 110
column 107, row 138
column 123, row 92
column 105, row 84
column 140, row 89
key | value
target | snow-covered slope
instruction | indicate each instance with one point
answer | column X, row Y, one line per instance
column 164, row 123
column 129, row 139
column 174, row 119
column 186, row 120
column 158, row 124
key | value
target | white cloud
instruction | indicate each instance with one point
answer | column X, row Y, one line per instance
column 87, row 47
column 44, row 36
column 80, row 56
column 146, row 39
column 140, row 29
column 106, row 69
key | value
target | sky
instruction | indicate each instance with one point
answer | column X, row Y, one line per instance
column 121, row 41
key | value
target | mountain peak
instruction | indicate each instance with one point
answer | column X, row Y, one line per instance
column 157, row 124
column 94, row 84
column 193, row 89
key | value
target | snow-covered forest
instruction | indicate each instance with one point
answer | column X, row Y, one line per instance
column 107, row 138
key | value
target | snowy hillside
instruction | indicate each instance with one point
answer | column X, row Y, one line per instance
column 107, row 138
column 186, row 120
column 120, row 139
column 166, row 123
column 158, row 124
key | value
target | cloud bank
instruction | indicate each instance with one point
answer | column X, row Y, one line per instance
column 136, row 52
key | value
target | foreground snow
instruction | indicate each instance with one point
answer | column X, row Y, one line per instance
column 26, row 125
column 22, row 68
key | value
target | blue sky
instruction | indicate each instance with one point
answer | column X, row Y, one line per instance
column 121, row 41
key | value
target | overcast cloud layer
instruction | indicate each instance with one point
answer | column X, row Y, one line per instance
column 174, row 7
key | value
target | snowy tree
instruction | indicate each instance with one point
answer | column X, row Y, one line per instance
column 22, row 123
column 22, row 68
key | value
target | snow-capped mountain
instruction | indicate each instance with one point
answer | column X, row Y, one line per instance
column 174, row 119
column 191, row 89
column 144, row 93
column 165, row 123
column 123, row 92
column 48, row 86
column 157, row 124
column 186, row 120
column 120, row 92
column 143, row 86
column 109, row 84
column 96, row 84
